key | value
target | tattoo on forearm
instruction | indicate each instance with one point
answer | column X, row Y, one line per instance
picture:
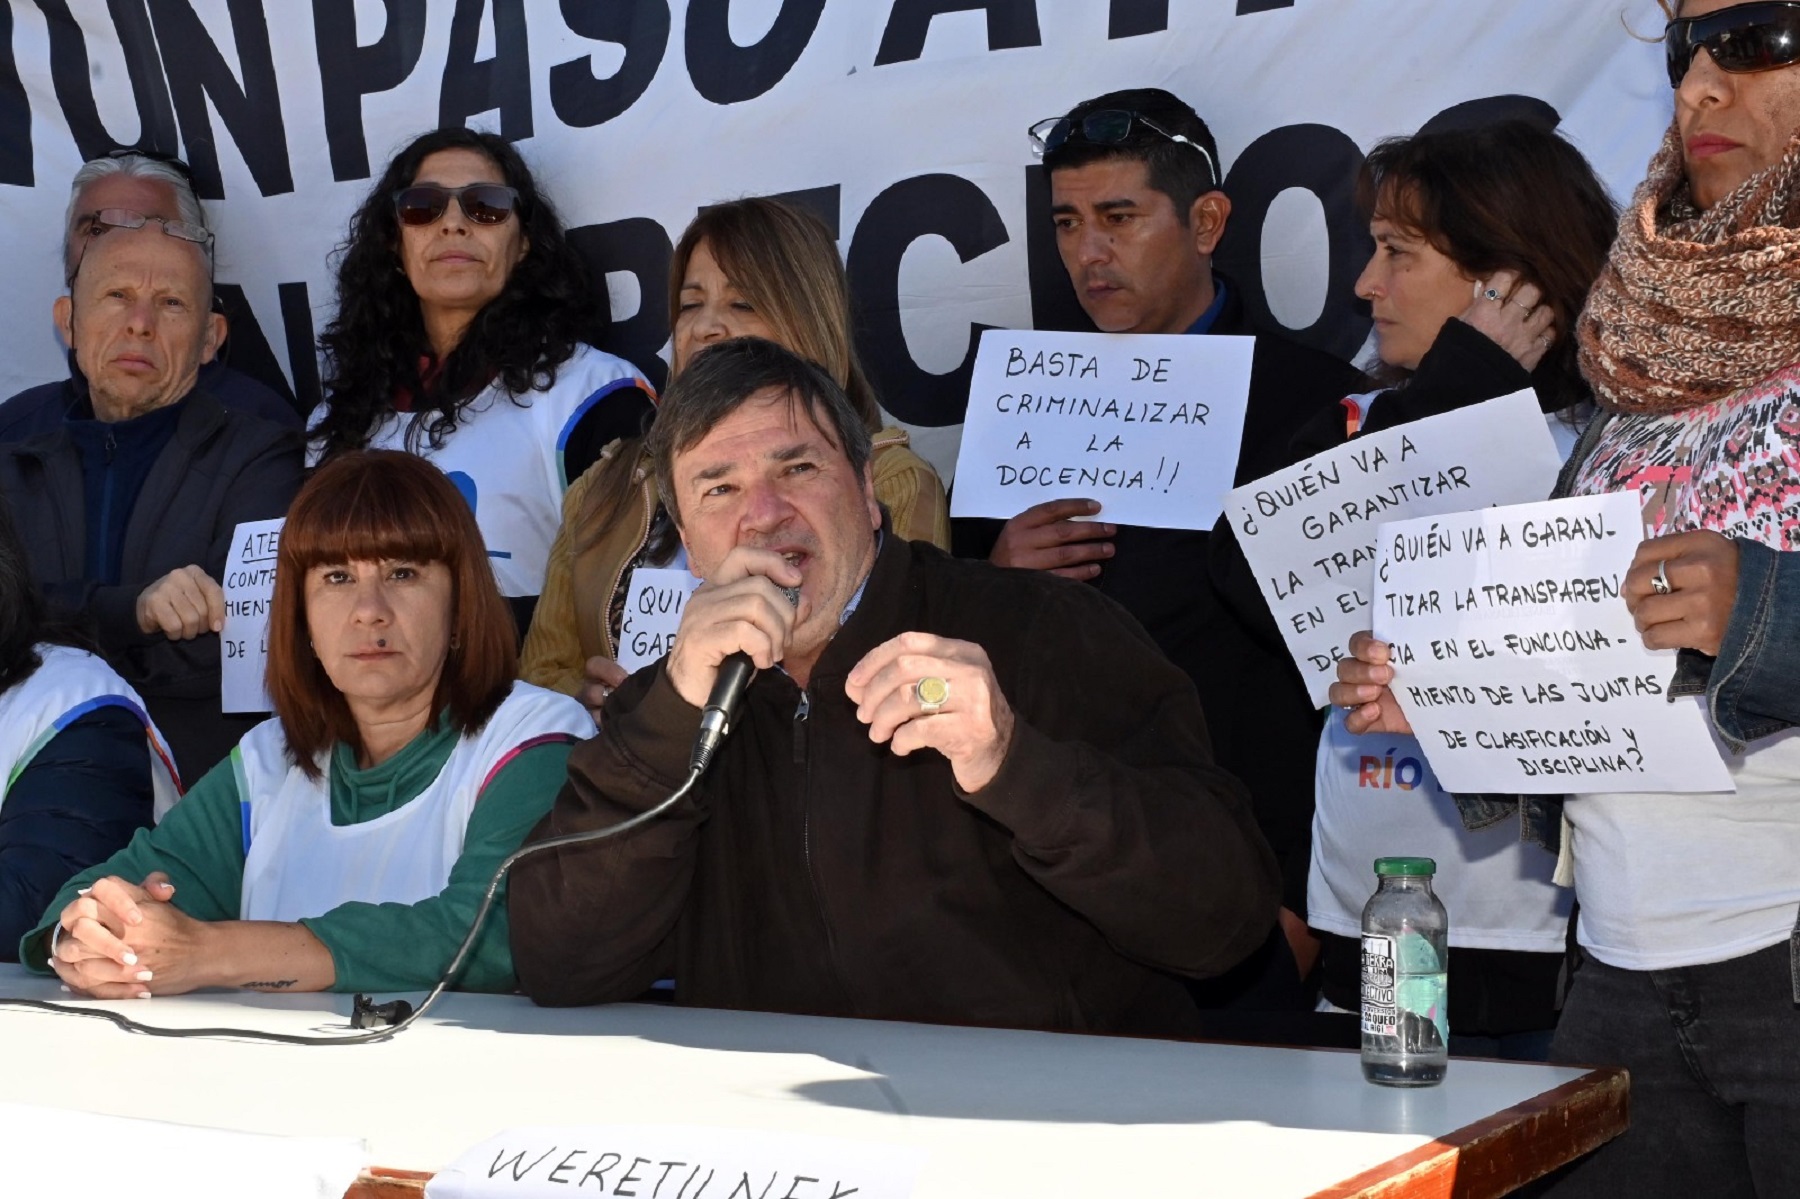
column 280, row 984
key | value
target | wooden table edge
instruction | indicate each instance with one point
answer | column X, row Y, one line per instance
column 1489, row 1158
column 379, row 1183
column 1502, row 1152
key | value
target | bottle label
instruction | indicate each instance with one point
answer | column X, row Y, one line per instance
column 1379, row 1015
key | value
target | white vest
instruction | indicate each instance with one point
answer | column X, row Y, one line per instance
column 70, row 684
column 1378, row 798
column 505, row 456
column 298, row 864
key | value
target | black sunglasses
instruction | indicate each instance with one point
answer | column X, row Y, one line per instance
column 1740, row 39
column 1107, row 127
column 483, row 203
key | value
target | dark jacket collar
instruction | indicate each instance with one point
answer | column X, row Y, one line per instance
column 202, row 416
column 1233, row 317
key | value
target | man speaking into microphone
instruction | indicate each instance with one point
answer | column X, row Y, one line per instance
column 952, row 792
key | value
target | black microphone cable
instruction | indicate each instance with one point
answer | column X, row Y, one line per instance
column 403, row 1014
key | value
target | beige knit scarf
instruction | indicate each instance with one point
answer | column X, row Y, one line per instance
column 1694, row 306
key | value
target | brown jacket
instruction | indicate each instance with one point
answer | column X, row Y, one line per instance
column 815, row 871
column 571, row 625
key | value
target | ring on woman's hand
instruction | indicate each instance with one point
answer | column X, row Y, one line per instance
column 1659, row 582
column 931, row 692
column 1490, row 293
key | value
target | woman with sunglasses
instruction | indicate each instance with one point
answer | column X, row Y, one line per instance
column 462, row 334
column 1689, row 963
column 746, row 268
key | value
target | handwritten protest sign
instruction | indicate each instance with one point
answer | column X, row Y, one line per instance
column 1308, row 532
column 654, row 599
column 1516, row 660
column 1148, row 425
column 249, row 582
column 676, row 1162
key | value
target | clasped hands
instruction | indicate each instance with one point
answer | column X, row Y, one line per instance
column 125, row 941
column 1701, row 569
column 741, row 608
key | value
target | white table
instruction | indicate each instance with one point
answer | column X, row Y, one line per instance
column 998, row 1113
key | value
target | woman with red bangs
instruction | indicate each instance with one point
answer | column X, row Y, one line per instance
column 346, row 843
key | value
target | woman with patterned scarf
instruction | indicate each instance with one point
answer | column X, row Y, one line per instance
column 1689, row 970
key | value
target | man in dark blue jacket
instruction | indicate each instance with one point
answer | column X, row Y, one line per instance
column 157, row 188
column 127, row 509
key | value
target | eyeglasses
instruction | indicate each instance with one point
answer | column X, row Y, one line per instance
column 93, row 224
column 90, row 225
column 1741, row 39
column 483, row 203
column 1107, row 127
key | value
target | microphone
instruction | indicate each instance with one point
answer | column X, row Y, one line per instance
column 735, row 675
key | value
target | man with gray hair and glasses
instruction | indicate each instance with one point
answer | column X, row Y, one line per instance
column 127, row 505
column 129, row 188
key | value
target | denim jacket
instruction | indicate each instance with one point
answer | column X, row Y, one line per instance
column 1749, row 687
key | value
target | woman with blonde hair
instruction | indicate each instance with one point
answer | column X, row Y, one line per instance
column 748, row 268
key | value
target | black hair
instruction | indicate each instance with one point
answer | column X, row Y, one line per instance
column 723, row 377
column 1511, row 195
column 1179, row 172
column 374, row 344
column 25, row 622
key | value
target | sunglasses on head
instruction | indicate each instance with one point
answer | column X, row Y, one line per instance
column 1740, row 39
column 90, row 225
column 483, row 203
column 1107, row 127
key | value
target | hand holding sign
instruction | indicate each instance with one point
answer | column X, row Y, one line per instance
column 1363, row 688
column 1700, row 571
column 1051, row 536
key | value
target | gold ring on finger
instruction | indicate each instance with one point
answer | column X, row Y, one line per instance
column 931, row 692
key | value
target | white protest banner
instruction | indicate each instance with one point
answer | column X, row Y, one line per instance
column 1308, row 532
column 654, row 599
column 1517, row 663
column 244, row 645
column 676, row 1162
column 290, row 111
column 1147, row 425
